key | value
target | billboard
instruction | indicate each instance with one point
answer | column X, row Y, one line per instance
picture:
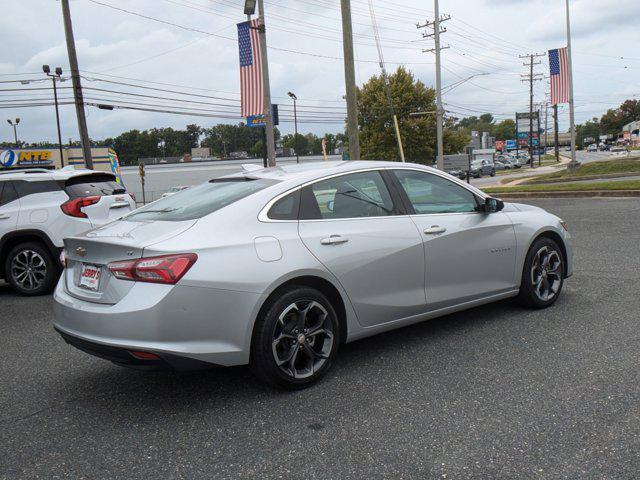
column 525, row 124
column 27, row 157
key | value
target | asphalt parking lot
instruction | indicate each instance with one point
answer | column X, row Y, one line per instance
column 492, row 393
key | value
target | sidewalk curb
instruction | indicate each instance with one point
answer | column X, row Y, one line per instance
column 569, row 194
column 580, row 179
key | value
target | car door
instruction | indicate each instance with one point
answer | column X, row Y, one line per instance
column 468, row 254
column 353, row 226
column 9, row 208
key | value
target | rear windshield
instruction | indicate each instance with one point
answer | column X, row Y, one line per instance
column 196, row 202
column 92, row 185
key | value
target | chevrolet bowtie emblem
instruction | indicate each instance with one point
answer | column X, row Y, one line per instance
column 81, row 251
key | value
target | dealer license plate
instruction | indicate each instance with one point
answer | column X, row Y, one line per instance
column 90, row 277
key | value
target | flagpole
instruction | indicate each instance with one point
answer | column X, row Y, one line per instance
column 271, row 144
column 572, row 124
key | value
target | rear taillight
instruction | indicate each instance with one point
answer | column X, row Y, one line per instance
column 74, row 207
column 63, row 259
column 168, row 269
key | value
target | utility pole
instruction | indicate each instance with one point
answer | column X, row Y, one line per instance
column 573, row 164
column 531, row 77
column 555, row 132
column 268, row 117
column 350, row 81
column 77, row 86
column 437, row 49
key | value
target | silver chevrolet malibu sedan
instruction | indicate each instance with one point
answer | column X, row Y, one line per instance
column 278, row 267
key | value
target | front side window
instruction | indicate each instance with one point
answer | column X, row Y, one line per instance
column 199, row 201
column 429, row 193
column 348, row 196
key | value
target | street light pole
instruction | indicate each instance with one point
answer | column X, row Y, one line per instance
column 295, row 123
column 54, row 77
column 15, row 129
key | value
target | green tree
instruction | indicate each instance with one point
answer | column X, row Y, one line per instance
column 615, row 118
column 377, row 134
column 505, row 130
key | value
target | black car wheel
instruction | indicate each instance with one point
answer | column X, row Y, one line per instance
column 543, row 274
column 296, row 341
column 30, row 269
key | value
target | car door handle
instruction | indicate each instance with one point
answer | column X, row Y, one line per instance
column 334, row 240
column 5, row 217
column 434, row 229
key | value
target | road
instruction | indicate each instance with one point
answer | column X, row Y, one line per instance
column 160, row 178
column 496, row 392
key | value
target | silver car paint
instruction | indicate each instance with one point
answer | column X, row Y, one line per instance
column 210, row 314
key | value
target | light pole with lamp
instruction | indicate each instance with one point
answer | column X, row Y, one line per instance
column 295, row 123
column 15, row 129
column 56, row 77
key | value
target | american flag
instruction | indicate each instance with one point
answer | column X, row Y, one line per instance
column 251, row 96
column 559, row 70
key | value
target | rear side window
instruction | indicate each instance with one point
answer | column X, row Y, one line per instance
column 199, row 201
column 25, row 188
column 286, row 208
column 7, row 193
column 92, row 185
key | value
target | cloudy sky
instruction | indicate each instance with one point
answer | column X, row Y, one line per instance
column 181, row 56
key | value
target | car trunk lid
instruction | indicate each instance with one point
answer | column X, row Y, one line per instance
column 87, row 276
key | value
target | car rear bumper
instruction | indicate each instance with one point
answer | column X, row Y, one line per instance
column 174, row 322
column 127, row 358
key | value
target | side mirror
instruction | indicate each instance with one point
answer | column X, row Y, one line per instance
column 492, row 205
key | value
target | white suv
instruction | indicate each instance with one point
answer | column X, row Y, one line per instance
column 38, row 208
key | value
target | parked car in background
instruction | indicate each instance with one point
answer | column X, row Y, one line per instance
column 592, row 148
column 619, row 150
column 461, row 174
column 304, row 258
column 173, row 191
column 501, row 164
column 38, row 208
column 482, row 167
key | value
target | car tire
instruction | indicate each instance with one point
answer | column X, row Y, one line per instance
column 493, row 173
column 284, row 351
column 30, row 269
column 542, row 275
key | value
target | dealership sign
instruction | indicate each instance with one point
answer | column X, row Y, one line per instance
column 25, row 158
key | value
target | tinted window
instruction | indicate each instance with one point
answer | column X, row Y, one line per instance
column 430, row 193
column 196, row 202
column 286, row 208
column 348, row 196
column 7, row 193
column 25, row 188
column 92, row 185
